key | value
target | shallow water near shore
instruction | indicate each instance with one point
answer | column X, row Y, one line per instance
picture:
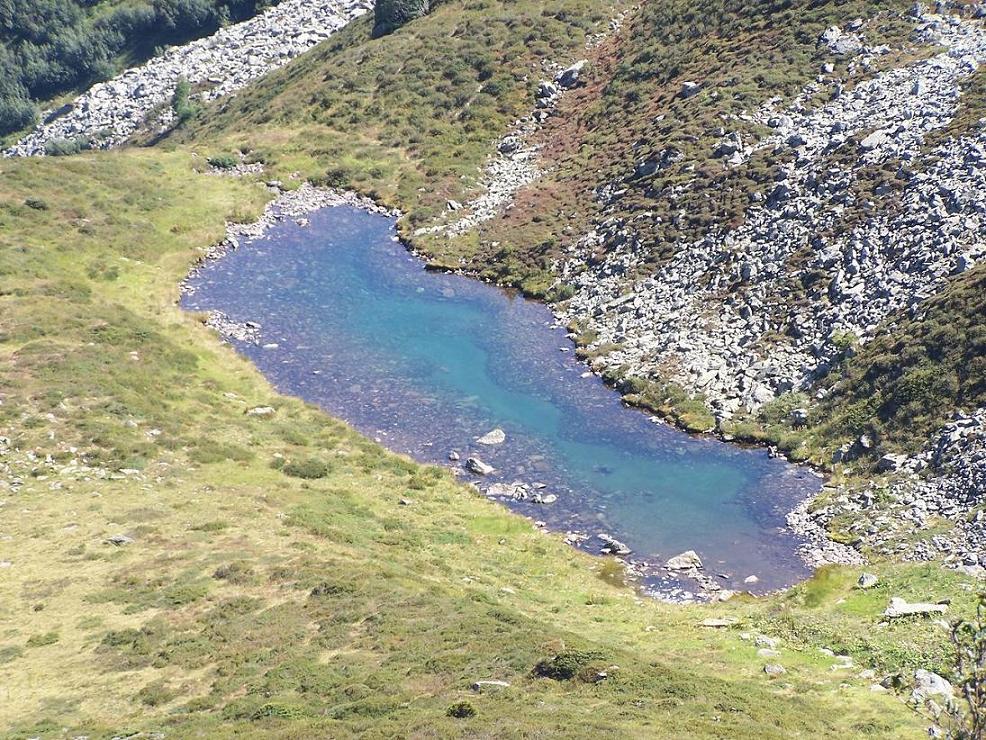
column 427, row 363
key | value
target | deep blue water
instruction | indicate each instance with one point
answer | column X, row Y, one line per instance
column 427, row 362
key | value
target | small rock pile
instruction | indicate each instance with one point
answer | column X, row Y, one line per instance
column 886, row 515
column 111, row 112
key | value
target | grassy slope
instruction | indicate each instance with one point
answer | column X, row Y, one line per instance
column 410, row 117
column 254, row 602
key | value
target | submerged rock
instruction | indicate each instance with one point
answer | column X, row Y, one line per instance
column 493, row 437
column 685, row 561
column 477, row 466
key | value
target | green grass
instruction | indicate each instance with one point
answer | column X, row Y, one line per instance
column 256, row 603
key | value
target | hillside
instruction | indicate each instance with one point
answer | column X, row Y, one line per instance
column 678, row 198
column 159, row 574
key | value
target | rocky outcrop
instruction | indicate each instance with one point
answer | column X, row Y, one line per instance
column 389, row 15
column 111, row 112
column 721, row 317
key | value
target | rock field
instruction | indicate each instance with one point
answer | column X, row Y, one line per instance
column 721, row 317
column 679, row 322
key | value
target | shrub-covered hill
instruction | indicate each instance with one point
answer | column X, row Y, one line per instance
column 160, row 574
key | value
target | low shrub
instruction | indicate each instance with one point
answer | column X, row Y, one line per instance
column 461, row 710
column 223, row 161
column 48, row 638
column 306, row 468
column 568, row 665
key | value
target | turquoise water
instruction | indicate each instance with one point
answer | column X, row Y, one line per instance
column 426, row 363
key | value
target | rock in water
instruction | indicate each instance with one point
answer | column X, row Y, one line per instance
column 685, row 561
column 477, row 466
column 613, row 546
column 494, row 437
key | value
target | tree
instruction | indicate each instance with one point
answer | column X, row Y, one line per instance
column 969, row 639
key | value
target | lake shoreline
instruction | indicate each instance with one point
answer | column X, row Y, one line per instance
column 297, row 204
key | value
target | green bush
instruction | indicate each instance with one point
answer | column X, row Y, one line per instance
column 568, row 665
column 64, row 147
column 461, row 710
column 223, row 161
column 156, row 693
column 16, row 113
column 181, row 103
column 307, row 468
column 389, row 15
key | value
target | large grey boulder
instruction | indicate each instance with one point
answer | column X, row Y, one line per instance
column 572, row 76
column 899, row 608
column 930, row 686
column 839, row 42
column 477, row 466
column 685, row 561
column 688, row 89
